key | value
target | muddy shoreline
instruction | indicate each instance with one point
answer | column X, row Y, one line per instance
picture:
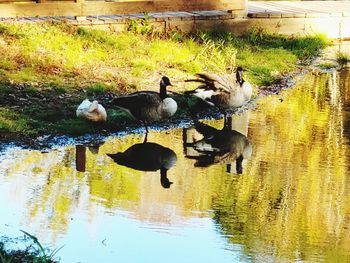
column 65, row 104
column 20, row 99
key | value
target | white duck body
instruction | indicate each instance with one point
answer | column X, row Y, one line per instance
column 92, row 111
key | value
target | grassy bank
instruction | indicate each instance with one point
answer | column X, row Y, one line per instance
column 34, row 252
column 20, row 256
column 47, row 69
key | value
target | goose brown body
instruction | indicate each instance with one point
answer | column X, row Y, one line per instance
column 223, row 91
column 144, row 105
column 148, row 106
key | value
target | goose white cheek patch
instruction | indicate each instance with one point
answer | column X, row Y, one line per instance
column 170, row 106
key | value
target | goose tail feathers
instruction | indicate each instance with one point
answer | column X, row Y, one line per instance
column 196, row 80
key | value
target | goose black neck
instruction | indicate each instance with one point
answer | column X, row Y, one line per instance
column 163, row 93
column 239, row 77
column 239, row 167
column 164, row 181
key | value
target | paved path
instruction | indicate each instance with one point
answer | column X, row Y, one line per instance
column 299, row 8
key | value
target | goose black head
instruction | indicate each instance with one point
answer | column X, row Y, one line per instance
column 239, row 75
column 164, row 82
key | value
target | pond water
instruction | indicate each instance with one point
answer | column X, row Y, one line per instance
column 275, row 189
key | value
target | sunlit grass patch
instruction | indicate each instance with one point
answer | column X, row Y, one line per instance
column 169, row 52
column 60, row 65
column 263, row 68
column 303, row 47
column 59, row 51
column 7, row 64
column 61, row 54
column 327, row 65
column 144, row 64
column 23, row 75
column 343, row 58
column 257, row 39
column 97, row 88
column 265, row 57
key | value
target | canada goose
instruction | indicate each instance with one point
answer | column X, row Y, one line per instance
column 217, row 146
column 148, row 156
column 92, row 111
column 223, row 91
column 148, row 106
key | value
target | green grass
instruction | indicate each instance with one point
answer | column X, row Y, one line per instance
column 327, row 65
column 58, row 54
column 13, row 121
column 49, row 68
column 34, row 253
column 266, row 56
column 343, row 58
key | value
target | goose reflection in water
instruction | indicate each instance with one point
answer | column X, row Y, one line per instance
column 216, row 146
column 148, row 156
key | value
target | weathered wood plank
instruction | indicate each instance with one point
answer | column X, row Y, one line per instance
column 81, row 8
column 192, row 5
column 33, row 1
column 40, row 9
column 11, row 1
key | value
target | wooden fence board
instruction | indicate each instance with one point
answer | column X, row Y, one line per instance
column 12, row 1
column 82, row 8
column 40, row 9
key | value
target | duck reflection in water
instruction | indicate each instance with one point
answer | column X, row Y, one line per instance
column 148, row 156
column 216, row 146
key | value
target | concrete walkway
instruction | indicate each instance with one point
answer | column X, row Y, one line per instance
column 331, row 18
column 298, row 8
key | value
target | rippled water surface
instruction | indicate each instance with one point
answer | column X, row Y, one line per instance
column 275, row 189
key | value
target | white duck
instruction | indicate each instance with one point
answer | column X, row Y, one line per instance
column 92, row 111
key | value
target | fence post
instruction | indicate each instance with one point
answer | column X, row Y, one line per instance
column 81, row 3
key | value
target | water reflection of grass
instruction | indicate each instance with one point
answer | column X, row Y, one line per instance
column 47, row 69
column 293, row 203
column 290, row 203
